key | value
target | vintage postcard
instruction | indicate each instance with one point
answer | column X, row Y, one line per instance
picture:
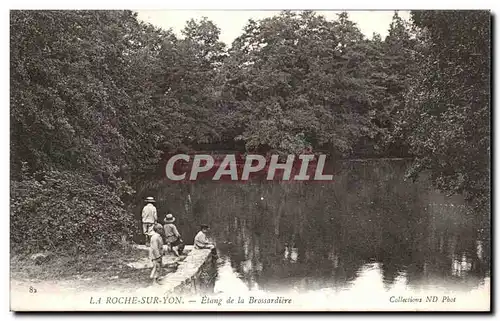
column 166, row 160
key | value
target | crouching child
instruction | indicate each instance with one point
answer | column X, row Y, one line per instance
column 156, row 252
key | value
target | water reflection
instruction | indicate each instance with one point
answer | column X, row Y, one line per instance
column 368, row 230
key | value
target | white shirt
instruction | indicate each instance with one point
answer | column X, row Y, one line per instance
column 201, row 241
column 149, row 214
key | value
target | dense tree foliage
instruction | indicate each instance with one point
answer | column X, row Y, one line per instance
column 101, row 95
column 446, row 118
column 299, row 81
column 98, row 96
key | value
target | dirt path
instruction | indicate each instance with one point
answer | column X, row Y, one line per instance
column 76, row 295
column 73, row 282
column 80, row 288
column 69, row 286
column 113, row 272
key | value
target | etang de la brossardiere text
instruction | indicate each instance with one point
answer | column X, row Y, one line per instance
column 180, row 300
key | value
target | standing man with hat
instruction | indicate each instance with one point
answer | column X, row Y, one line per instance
column 149, row 218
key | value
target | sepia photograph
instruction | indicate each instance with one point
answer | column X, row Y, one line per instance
column 250, row 160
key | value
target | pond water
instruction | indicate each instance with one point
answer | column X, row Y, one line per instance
column 368, row 230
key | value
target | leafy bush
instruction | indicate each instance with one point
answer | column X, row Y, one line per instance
column 66, row 210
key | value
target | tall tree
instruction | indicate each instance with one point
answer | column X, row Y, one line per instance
column 295, row 81
column 186, row 86
column 447, row 113
column 398, row 65
column 81, row 121
column 75, row 101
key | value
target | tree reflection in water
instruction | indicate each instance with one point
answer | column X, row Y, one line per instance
column 312, row 235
